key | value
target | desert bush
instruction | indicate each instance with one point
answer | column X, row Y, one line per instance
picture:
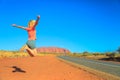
column 96, row 54
column 111, row 55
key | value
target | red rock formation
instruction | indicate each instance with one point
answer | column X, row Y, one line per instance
column 53, row 50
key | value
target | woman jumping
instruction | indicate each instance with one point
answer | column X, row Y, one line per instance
column 30, row 44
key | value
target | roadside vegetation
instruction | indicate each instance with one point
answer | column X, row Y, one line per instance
column 107, row 56
column 97, row 55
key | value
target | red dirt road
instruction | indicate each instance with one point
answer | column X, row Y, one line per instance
column 41, row 68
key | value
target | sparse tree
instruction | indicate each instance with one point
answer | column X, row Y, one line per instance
column 85, row 53
column 74, row 54
column 118, row 50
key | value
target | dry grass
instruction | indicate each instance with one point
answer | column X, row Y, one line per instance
column 14, row 54
column 96, row 57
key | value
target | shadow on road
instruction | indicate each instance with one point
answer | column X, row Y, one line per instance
column 117, row 59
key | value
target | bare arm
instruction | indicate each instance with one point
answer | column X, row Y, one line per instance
column 14, row 25
column 38, row 18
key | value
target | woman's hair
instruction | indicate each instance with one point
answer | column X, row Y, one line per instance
column 31, row 23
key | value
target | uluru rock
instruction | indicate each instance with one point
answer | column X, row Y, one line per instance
column 52, row 50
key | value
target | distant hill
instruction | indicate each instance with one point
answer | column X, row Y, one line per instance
column 53, row 50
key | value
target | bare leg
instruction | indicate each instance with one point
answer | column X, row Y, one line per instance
column 30, row 51
column 23, row 48
column 35, row 51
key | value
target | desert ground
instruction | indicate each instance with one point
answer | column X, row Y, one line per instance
column 47, row 67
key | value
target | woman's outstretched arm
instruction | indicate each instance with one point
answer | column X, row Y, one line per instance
column 14, row 25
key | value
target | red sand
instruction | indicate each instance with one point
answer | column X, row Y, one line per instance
column 41, row 68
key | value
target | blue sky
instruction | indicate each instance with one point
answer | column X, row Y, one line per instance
column 77, row 25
